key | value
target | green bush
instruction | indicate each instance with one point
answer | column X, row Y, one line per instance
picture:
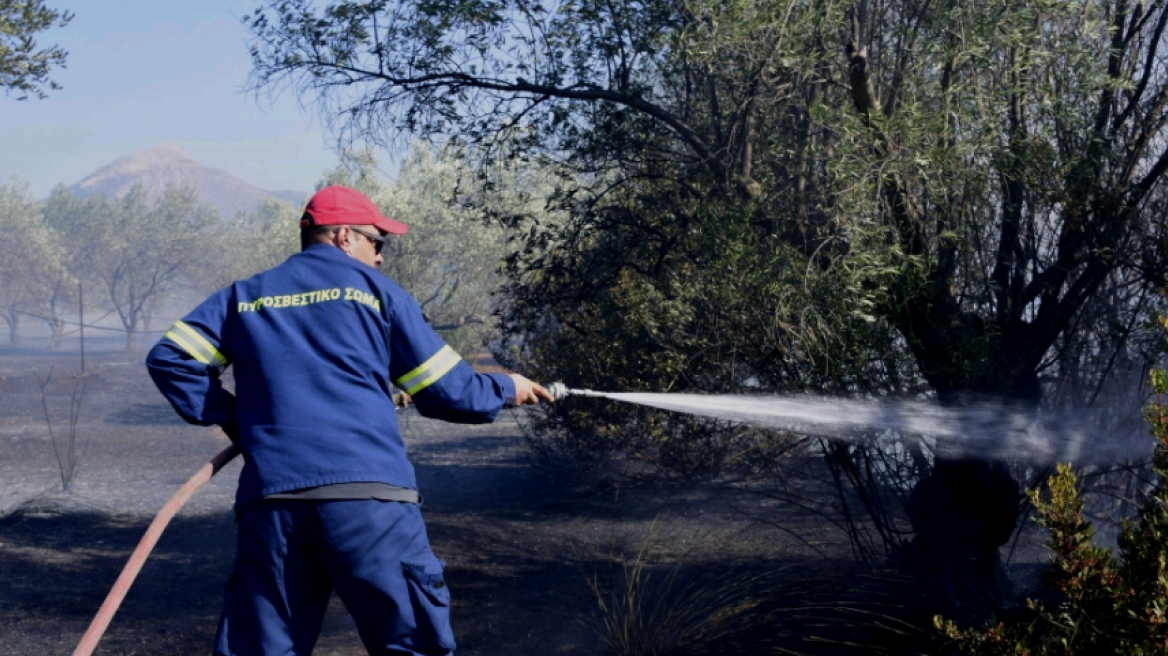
column 1104, row 602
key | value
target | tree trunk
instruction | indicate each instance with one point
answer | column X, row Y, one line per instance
column 962, row 512
column 966, row 508
column 57, row 326
column 131, row 333
column 13, row 321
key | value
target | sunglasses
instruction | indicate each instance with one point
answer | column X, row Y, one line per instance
column 378, row 240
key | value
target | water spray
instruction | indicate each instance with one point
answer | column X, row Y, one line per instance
column 986, row 430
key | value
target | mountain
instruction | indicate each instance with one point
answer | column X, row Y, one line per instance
column 297, row 198
column 155, row 168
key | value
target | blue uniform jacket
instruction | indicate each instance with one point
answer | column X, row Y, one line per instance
column 317, row 344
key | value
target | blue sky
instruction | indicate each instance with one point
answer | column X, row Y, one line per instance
column 140, row 74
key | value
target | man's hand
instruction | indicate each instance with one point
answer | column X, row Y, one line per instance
column 401, row 400
column 528, row 392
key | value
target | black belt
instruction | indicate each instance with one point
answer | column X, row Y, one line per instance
column 350, row 492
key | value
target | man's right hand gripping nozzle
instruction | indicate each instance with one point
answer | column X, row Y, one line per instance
column 528, row 392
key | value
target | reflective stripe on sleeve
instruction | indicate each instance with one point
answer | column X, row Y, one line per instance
column 430, row 371
column 195, row 344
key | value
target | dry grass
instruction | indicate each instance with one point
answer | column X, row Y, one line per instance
column 690, row 607
column 680, row 609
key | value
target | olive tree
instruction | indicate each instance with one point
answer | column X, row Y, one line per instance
column 1015, row 152
column 254, row 241
column 873, row 196
column 139, row 252
column 451, row 259
column 34, row 281
column 24, row 68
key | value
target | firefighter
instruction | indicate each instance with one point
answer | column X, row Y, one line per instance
column 327, row 498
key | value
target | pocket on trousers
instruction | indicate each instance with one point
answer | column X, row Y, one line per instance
column 430, row 599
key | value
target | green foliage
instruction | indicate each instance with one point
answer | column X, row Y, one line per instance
column 893, row 198
column 138, row 252
column 24, row 69
column 1107, row 602
column 34, row 280
column 971, row 171
column 458, row 205
column 723, row 311
column 255, row 241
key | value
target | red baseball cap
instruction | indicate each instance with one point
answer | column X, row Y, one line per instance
column 337, row 205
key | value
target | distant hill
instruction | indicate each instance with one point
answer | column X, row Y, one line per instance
column 296, row 198
column 155, row 168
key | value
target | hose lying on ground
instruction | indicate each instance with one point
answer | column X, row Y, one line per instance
column 145, row 546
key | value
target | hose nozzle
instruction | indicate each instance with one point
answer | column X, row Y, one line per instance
column 559, row 390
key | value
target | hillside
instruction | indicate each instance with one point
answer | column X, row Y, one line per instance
column 156, row 168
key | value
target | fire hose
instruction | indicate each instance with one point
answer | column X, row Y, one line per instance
column 114, row 599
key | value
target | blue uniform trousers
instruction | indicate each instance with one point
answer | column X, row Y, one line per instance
column 291, row 554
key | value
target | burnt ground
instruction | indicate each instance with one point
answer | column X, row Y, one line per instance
column 526, row 547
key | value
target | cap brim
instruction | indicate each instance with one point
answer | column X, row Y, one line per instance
column 390, row 226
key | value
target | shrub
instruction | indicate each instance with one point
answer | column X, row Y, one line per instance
column 1103, row 602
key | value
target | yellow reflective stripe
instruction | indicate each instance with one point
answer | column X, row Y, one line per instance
column 195, row 344
column 430, row 371
column 209, row 349
column 172, row 336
